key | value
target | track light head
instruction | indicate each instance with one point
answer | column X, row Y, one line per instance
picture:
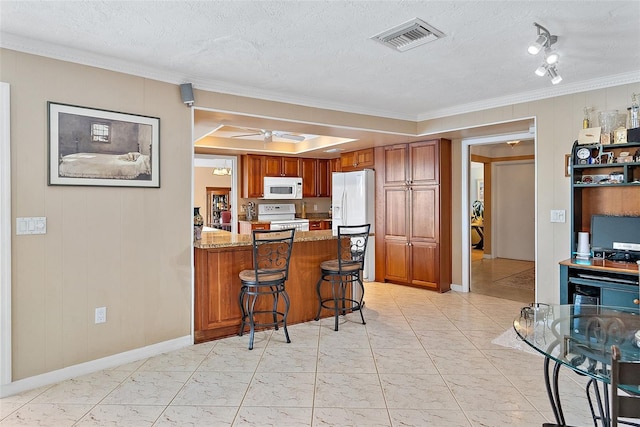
column 542, row 70
column 551, row 56
column 536, row 46
column 555, row 77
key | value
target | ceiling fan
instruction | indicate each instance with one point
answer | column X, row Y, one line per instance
column 268, row 135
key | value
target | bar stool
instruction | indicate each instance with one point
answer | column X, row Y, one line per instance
column 343, row 271
column 271, row 256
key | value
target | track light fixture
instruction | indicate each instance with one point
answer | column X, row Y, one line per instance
column 551, row 56
column 542, row 69
column 555, row 77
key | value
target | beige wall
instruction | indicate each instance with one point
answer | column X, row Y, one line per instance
column 124, row 248
column 558, row 121
column 129, row 249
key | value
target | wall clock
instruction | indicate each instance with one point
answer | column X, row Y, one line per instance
column 583, row 155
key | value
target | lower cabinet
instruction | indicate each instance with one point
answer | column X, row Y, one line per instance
column 217, row 286
column 245, row 227
column 415, row 263
column 604, row 282
column 315, row 225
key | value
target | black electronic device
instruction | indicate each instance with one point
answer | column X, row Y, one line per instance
column 616, row 238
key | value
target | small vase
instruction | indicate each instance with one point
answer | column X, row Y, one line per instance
column 197, row 223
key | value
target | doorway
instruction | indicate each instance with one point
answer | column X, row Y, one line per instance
column 499, row 229
column 204, row 177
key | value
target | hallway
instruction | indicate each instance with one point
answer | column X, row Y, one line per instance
column 503, row 278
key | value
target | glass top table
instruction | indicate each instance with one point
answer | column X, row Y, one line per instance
column 580, row 337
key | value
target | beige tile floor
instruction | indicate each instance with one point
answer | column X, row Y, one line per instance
column 486, row 276
column 422, row 359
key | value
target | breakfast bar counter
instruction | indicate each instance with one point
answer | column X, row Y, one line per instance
column 220, row 256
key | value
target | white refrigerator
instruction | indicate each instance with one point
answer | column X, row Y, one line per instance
column 353, row 203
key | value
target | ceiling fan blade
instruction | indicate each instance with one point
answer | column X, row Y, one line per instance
column 245, row 135
column 291, row 136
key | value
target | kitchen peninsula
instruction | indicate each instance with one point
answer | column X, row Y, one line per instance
column 220, row 256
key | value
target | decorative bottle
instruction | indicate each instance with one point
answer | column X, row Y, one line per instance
column 585, row 121
column 197, row 223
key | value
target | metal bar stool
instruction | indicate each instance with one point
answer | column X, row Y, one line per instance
column 344, row 274
column 271, row 256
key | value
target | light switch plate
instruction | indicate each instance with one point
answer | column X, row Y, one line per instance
column 31, row 225
column 558, row 215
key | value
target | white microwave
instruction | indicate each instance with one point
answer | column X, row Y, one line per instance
column 282, row 188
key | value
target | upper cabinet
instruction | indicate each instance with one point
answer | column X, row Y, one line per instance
column 281, row 166
column 309, row 172
column 253, row 168
column 326, row 167
column 315, row 174
column 357, row 160
column 256, row 167
column 412, row 164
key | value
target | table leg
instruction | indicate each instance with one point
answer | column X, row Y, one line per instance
column 554, row 393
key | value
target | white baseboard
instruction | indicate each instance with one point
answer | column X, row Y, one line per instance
column 93, row 366
column 457, row 288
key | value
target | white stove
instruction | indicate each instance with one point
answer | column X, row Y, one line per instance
column 281, row 216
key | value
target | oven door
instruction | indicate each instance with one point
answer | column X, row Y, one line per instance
column 281, row 225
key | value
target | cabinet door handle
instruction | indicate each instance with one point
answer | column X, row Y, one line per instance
column 636, row 301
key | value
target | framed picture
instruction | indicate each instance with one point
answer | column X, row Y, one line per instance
column 480, row 187
column 95, row 147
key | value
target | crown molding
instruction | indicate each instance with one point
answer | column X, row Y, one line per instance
column 535, row 95
column 63, row 53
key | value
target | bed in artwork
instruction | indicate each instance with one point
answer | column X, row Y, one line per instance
column 104, row 166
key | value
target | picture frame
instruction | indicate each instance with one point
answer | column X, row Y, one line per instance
column 94, row 147
column 480, row 189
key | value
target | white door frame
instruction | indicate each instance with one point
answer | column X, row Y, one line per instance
column 466, row 209
column 5, row 235
column 200, row 160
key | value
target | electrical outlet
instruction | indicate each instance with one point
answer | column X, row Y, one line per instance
column 315, row 208
column 101, row 315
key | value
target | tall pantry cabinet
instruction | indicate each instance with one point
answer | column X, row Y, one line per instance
column 413, row 223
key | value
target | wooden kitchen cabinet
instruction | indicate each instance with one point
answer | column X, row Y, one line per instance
column 216, row 309
column 357, row 160
column 245, row 227
column 413, row 214
column 323, row 181
column 256, row 167
column 281, row 166
column 309, row 172
column 253, row 168
column 315, row 225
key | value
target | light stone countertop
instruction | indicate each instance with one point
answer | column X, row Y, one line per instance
column 225, row 239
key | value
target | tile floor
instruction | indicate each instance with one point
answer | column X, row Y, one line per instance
column 487, row 275
column 422, row 359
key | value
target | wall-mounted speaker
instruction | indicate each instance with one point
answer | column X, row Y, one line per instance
column 186, row 93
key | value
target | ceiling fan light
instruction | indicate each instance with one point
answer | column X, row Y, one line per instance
column 541, row 70
column 551, row 56
column 536, row 47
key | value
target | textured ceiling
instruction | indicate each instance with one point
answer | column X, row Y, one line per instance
column 319, row 53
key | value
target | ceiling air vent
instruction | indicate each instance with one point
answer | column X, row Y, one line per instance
column 408, row 35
